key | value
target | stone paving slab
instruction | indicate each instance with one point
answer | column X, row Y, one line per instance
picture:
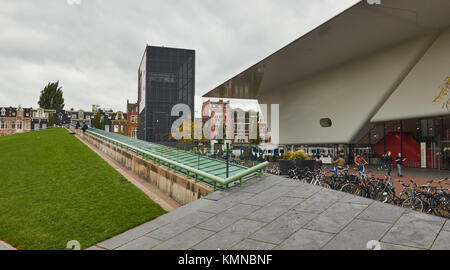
column 5, row 246
column 415, row 229
column 278, row 213
column 267, row 195
column 142, row 243
column 305, row 240
column 302, row 190
column 283, row 227
column 230, row 236
column 185, row 240
column 226, row 202
column 168, row 231
column 336, row 217
column 228, row 217
column 357, row 234
column 447, row 226
column 382, row 212
column 387, row 246
column 442, row 242
column 320, row 201
column 275, row 209
column 249, row 244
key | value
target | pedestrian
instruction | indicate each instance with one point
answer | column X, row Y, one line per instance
column 340, row 162
column 388, row 162
column 84, row 128
column 360, row 162
column 318, row 161
column 399, row 160
column 383, row 161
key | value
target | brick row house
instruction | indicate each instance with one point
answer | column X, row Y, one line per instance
column 17, row 120
column 132, row 119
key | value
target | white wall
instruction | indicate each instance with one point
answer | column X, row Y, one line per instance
column 349, row 94
column 413, row 98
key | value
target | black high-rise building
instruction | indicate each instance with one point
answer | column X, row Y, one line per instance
column 166, row 77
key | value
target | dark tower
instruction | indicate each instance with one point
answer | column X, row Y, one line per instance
column 166, row 77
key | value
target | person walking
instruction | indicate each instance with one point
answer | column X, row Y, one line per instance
column 399, row 160
column 388, row 163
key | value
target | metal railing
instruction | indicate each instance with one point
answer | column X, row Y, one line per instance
column 196, row 174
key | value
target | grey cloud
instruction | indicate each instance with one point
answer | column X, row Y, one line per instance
column 95, row 48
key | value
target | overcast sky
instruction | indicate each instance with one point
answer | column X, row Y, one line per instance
column 94, row 47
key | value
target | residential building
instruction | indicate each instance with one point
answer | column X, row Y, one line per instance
column 132, row 119
column 14, row 120
column 40, row 118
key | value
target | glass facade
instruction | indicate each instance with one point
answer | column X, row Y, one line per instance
column 166, row 78
column 424, row 142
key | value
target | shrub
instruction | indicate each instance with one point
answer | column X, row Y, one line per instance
column 297, row 155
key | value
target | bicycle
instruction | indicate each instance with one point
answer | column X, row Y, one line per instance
column 413, row 202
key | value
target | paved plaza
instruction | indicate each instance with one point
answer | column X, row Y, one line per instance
column 278, row 213
column 5, row 246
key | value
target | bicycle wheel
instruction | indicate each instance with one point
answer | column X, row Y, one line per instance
column 413, row 203
column 324, row 185
column 442, row 207
column 350, row 188
column 381, row 195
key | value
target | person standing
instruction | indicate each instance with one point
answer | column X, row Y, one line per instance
column 399, row 160
column 383, row 161
column 388, row 162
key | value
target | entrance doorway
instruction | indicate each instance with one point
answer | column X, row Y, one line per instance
column 445, row 155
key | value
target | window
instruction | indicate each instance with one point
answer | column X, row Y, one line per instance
column 133, row 118
column 13, row 124
column 19, row 113
column 134, row 132
column 19, row 124
column 116, row 128
column 2, row 124
column 27, row 125
column 3, row 112
column 325, row 122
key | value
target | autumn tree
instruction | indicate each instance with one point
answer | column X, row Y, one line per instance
column 442, row 97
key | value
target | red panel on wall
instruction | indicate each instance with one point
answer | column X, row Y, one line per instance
column 411, row 147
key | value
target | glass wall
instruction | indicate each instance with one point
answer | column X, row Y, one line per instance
column 424, row 142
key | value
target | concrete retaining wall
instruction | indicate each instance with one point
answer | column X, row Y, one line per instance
column 177, row 186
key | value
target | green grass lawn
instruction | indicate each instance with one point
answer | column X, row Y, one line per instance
column 54, row 189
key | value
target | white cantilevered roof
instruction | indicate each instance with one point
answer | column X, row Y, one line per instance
column 356, row 32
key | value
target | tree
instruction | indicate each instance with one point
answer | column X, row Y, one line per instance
column 51, row 120
column 97, row 123
column 51, row 97
column 442, row 97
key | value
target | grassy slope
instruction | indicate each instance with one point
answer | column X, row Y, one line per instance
column 54, row 189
